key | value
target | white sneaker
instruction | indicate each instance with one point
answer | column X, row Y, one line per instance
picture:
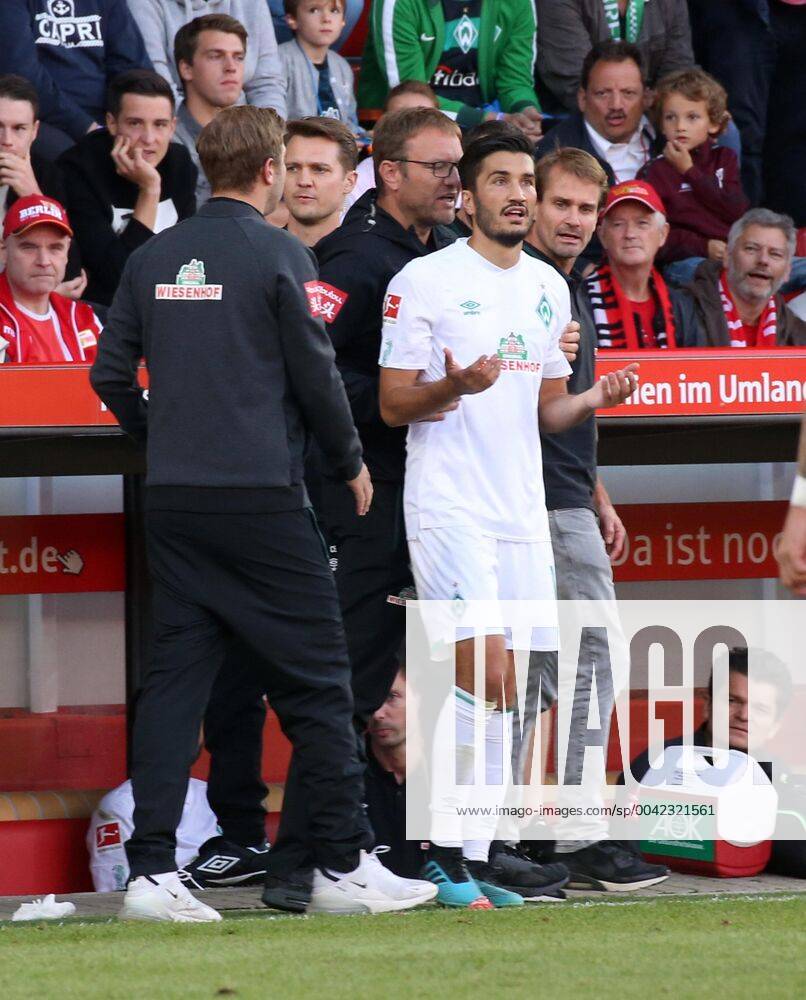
column 371, row 888
column 397, row 886
column 146, row 899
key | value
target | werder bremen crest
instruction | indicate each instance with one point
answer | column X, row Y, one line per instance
column 513, row 348
column 544, row 310
column 465, row 34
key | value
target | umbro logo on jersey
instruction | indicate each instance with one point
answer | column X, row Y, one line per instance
column 544, row 310
column 217, row 864
column 470, row 307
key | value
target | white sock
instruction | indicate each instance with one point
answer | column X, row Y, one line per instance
column 453, row 766
column 497, row 749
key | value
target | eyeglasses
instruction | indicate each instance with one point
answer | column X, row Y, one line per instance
column 439, row 168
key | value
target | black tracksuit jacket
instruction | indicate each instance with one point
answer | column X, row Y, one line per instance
column 357, row 261
column 239, row 368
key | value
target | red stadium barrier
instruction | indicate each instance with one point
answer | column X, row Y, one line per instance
column 685, row 383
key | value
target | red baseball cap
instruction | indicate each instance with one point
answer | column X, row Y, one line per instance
column 633, row 191
column 35, row 210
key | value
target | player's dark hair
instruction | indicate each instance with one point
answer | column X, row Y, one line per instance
column 17, row 88
column 144, row 82
column 613, row 52
column 765, row 667
column 488, row 143
column 482, row 130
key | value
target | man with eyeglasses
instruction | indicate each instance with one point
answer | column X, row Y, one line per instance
column 416, row 152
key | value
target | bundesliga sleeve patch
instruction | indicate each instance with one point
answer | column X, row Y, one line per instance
column 325, row 301
column 107, row 835
column 391, row 307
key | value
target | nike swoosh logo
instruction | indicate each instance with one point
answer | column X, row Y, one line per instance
column 361, row 885
column 172, row 893
column 427, row 38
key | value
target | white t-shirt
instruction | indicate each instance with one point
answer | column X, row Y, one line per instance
column 111, row 826
column 482, row 464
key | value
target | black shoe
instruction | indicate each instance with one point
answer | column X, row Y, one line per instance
column 289, row 892
column 609, row 866
column 220, row 862
column 517, row 872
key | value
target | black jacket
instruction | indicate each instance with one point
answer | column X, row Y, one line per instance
column 238, row 367
column 100, row 203
column 357, row 261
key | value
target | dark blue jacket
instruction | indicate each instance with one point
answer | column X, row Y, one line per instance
column 70, row 50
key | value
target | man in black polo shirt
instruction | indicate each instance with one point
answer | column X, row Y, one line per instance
column 586, row 531
column 386, row 782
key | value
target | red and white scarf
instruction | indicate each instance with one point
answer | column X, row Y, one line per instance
column 766, row 328
column 613, row 314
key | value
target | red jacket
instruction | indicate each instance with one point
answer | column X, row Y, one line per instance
column 78, row 325
column 701, row 204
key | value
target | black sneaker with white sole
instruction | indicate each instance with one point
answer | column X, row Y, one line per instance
column 291, row 893
column 608, row 865
column 221, row 863
column 517, row 872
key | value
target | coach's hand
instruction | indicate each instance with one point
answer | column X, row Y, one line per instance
column 569, row 341
column 612, row 389
column 475, row 378
column 362, row 491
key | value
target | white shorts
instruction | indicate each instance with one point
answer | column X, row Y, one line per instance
column 456, row 565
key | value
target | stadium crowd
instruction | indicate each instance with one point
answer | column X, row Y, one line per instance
column 664, row 214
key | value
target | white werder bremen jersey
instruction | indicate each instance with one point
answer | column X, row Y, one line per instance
column 481, row 465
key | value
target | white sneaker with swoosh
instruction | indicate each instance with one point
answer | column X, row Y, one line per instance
column 371, row 888
column 169, row 900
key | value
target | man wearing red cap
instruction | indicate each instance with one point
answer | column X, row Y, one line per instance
column 37, row 325
column 632, row 306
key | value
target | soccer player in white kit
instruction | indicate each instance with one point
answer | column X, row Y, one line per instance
column 470, row 357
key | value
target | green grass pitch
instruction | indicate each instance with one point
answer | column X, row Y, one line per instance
column 677, row 948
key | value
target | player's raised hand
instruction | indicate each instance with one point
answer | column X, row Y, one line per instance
column 569, row 341
column 475, row 378
column 614, row 388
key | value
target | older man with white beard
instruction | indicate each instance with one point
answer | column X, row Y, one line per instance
column 739, row 305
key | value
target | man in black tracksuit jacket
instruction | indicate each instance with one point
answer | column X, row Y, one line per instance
column 358, row 261
column 220, row 309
